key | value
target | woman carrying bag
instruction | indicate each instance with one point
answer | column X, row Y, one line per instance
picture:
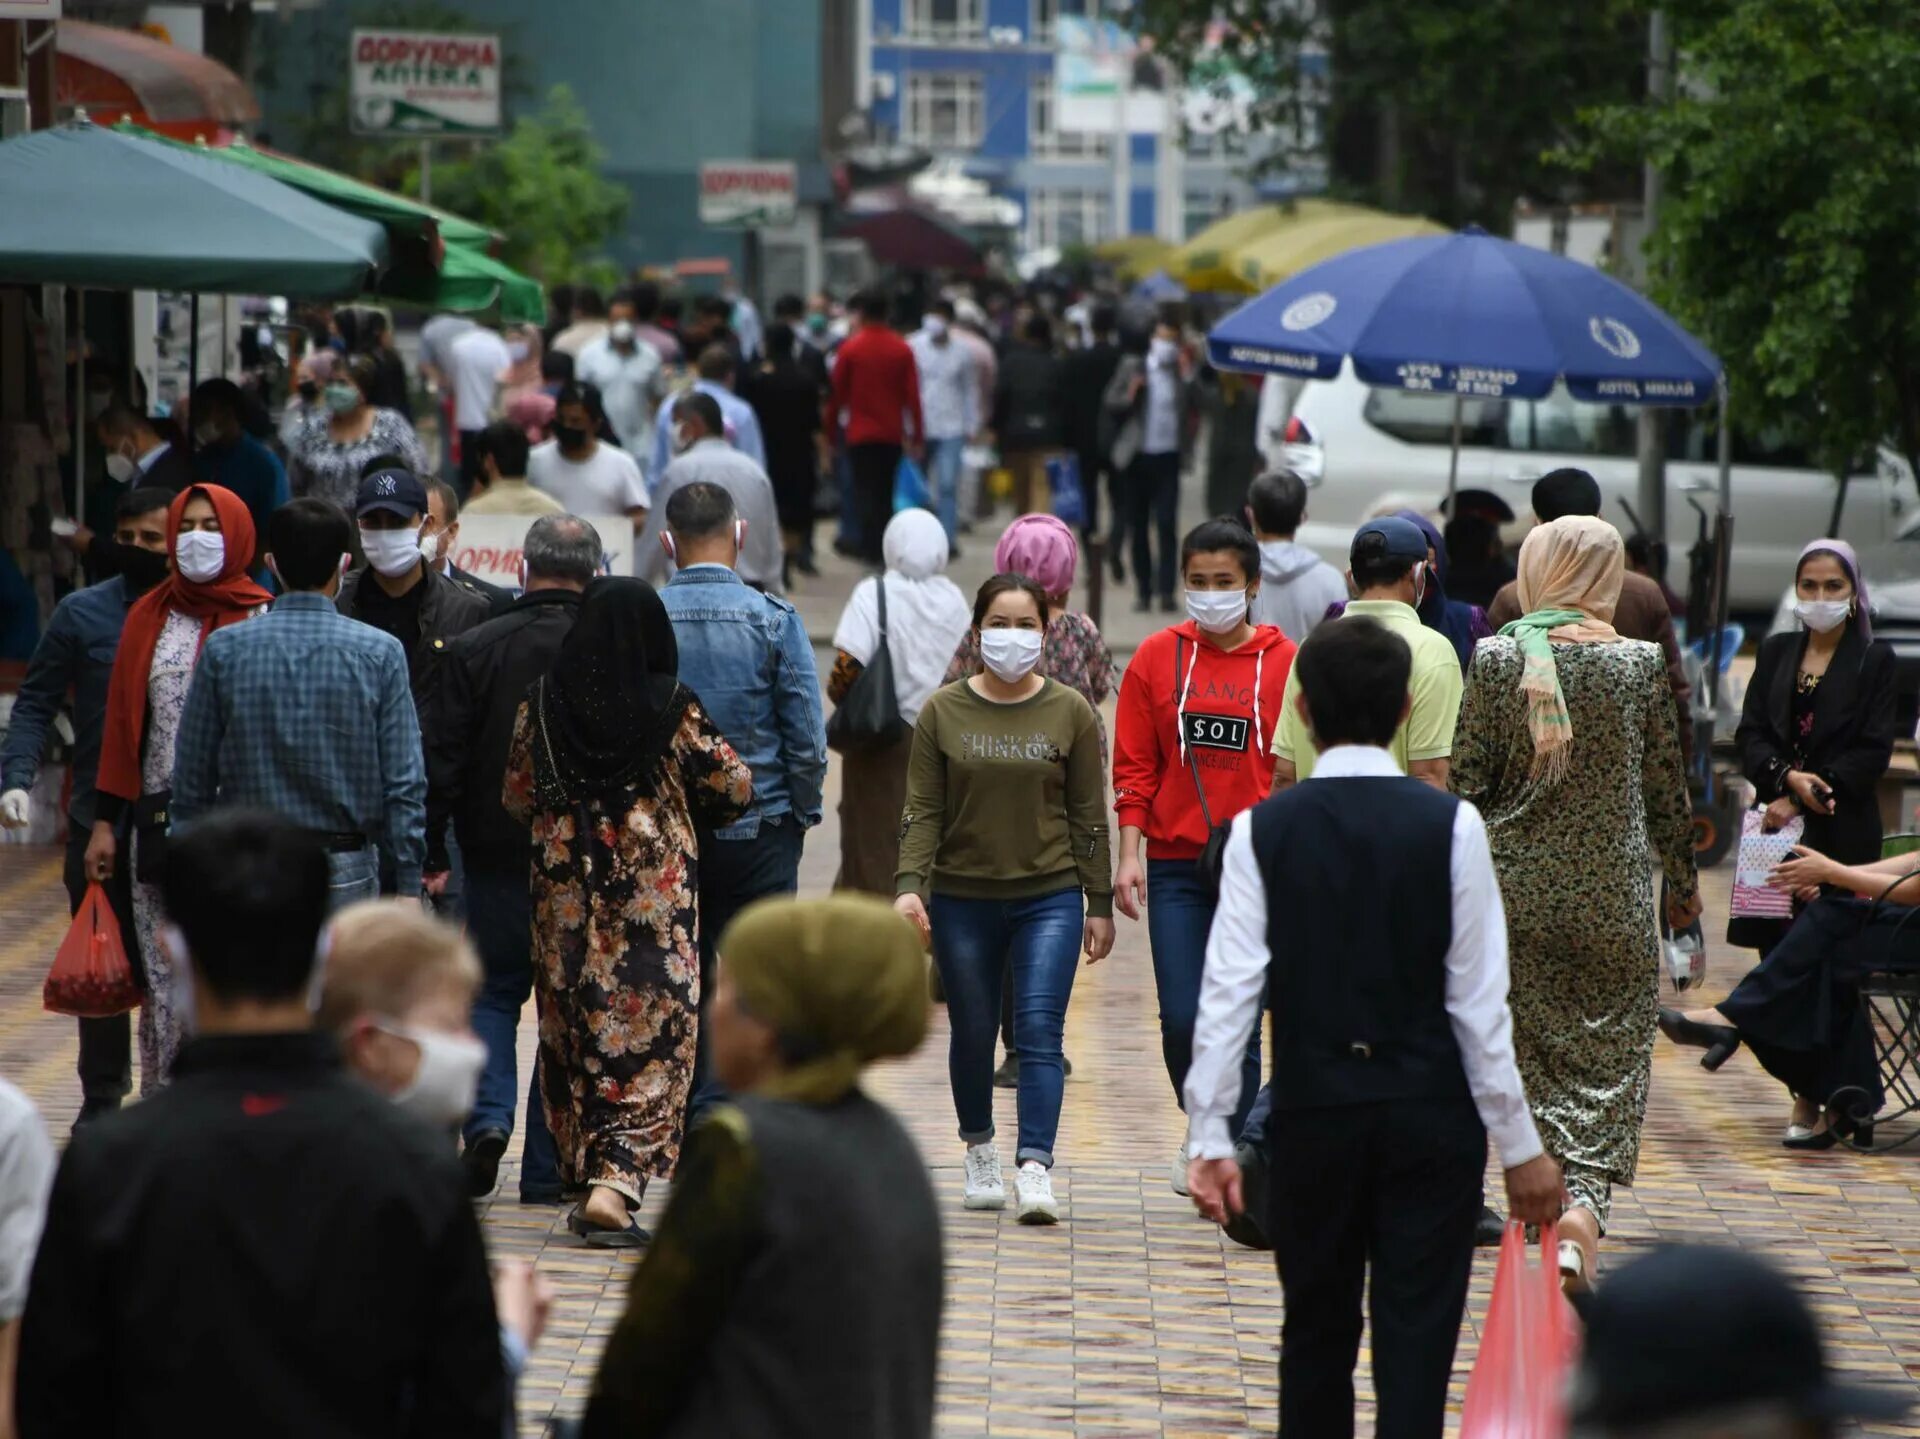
column 919, row 615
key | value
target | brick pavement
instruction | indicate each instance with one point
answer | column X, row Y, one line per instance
column 1133, row 1318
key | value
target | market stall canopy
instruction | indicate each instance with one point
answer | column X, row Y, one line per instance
column 1134, row 257
column 83, row 205
column 1285, row 252
column 908, row 235
column 114, row 74
column 1207, row 261
column 438, row 260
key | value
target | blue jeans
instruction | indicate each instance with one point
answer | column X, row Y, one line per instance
column 943, row 474
column 500, row 924
column 973, row 941
column 733, row 874
column 1179, row 914
column 352, row 877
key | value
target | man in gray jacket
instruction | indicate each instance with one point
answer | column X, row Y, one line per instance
column 1296, row 585
column 704, row 456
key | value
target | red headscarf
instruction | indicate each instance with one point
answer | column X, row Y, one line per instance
column 229, row 597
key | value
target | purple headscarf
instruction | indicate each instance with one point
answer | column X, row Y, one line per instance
column 1850, row 562
column 1041, row 547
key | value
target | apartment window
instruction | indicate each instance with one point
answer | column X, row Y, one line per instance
column 1044, row 135
column 944, row 111
column 1059, row 218
column 945, row 19
column 1047, row 13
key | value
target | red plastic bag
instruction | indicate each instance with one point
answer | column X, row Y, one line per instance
column 90, row 976
column 1518, row 1386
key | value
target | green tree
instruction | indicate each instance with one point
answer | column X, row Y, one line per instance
column 542, row 188
column 1447, row 108
column 1788, row 237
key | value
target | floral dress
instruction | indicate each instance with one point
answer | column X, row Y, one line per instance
column 1572, row 859
column 616, row 956
column 168, row 676
column 320, row 466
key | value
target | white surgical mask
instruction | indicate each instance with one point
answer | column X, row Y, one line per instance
column 518, row 350
column 431, row 546
column 448, row 1079
column 200, row 555
column 1821, row 616
column 1010, row 654
column 122, row 469
column 1217, row 611
column 391, row 552
column 622, row 332
column 936, row 328
column 1161, row 352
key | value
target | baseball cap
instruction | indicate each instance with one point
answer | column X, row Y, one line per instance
column 397, row 491
column 1405, row 540
column 1694, row 1329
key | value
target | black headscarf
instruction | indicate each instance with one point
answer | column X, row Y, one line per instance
column 608, row 709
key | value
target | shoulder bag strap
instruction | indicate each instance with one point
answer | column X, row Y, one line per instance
column 1193, row 763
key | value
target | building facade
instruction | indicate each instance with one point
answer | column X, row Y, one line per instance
column 974, row 80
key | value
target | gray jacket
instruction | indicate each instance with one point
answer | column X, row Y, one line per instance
column 714, row 461
column 1123, row 421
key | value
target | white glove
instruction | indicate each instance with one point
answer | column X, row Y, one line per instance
column 15, row 809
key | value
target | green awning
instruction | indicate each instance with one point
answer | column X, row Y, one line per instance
column 82, row 205
column 440, row 260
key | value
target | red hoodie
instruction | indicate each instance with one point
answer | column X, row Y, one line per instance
column 1230, row 702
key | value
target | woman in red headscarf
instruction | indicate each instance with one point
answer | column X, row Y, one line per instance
column 210, row 538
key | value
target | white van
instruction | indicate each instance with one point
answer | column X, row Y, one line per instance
column 1362, row 450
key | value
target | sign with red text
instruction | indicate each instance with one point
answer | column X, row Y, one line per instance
column 489, row 546
column 749, row 192
column 418, row 84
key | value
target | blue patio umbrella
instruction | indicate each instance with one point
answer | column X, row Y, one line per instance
column 1158, row 288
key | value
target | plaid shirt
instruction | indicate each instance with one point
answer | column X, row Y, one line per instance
column 309, row 713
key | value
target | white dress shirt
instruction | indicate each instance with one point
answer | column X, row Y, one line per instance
column 949, row 393
column 1236, row 974
column 631, row 383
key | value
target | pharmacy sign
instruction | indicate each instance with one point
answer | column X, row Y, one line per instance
column 412, row 84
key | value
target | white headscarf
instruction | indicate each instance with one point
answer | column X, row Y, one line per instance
column 926, row 613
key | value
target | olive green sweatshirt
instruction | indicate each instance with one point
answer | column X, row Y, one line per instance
column 1006, row 801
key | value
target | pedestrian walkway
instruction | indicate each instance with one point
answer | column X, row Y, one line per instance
column 1133, row 1317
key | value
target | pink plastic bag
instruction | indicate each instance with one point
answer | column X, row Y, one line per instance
column 1518, row 1386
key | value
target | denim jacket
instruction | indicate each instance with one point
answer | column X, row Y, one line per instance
column 747, row 656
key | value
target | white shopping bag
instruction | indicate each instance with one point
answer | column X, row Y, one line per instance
column 1760, row 852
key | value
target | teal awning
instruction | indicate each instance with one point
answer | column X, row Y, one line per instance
column 82, row 205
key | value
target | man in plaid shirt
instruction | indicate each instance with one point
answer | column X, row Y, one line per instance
column 309, row 713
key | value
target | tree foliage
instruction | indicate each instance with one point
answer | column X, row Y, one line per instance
column 542, row 188
column 1788, row 237
column 1448, row 108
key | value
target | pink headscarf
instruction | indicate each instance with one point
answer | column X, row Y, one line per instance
column 1043, row 549
column 1850, row 562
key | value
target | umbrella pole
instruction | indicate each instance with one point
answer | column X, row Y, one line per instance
column 1453, row 460
column 193, row 346
column 79, row 404
column 1723, row 534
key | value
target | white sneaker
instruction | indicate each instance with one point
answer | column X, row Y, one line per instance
column 1035, row 1187
column 985, row 1187
column 1177, row 1172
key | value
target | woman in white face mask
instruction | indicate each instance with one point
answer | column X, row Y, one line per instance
column 398, row 992
column 211, row 538
column 1003, row 855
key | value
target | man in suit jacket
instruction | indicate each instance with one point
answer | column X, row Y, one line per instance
column 1392, row 1048
column 1642, row 613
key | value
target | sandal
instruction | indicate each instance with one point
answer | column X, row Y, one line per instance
column 632, row 1237
column 1574, row 1280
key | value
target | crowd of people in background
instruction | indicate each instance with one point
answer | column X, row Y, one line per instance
column 302, row 731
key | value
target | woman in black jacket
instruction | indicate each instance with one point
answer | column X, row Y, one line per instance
column 1815, row 736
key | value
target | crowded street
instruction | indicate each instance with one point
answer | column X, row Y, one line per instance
column 1135, row 1317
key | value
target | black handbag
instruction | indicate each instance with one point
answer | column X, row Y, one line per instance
column 1213, row 854
column 151, row 822
column 869, row 717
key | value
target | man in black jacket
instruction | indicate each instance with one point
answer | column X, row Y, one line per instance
column 469, row 724
column 1029, row 413
column 1089, row 370
column 441, row 534
column 266, row 1246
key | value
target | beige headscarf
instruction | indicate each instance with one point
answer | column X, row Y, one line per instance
column 843, row 980
column 1570, row 575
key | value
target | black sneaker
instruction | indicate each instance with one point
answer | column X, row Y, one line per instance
column 1490, row 1229
column 1007, row 1076
column 481, row 1159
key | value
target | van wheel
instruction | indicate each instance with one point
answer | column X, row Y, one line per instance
column 1713, row 835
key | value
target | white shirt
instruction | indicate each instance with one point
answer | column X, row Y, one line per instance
column 474, row 362
column 949, row 393
column 1162, row 429
column 630, row 387
column 607, row 482
column 1236, row 974
column 26, row 1174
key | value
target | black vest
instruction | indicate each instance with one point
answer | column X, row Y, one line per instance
column 1359, row 919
